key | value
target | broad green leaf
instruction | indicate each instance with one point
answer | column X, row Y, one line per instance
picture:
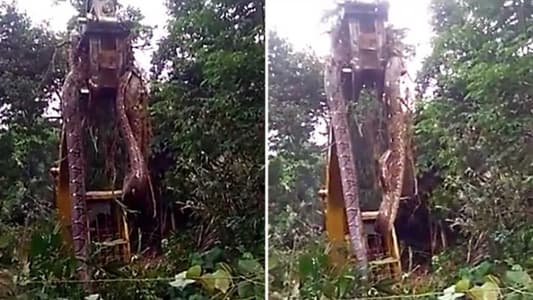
column 194, row 272
column 520, row 278
column 208, row 281
column 249, row 266
column 224, row 266
column 245, row 289
column 212, row 256
column 481, row 270
column 493, row 279
column 222, row 280
column 488, row 291
column 462, row 285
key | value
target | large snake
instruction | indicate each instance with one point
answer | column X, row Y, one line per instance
column 343, row 142
column 130, row 114
column 393, row 160
column 132, row 119
column 72, row 118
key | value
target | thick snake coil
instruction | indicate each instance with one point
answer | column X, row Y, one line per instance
column 341, row 131
column 70, row 106
column 131, row 114
column 393, row 161
column 131, row 107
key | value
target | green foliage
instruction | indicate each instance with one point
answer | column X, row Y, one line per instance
column 476, row 128
column 296, row 97
column 491, row 280
column 245, row 281
column 44, row 272
column 208, row 157
column 208, row 112
column 28, row 141
column 473, row 130
column 34, row 257
column 296, row 164
column 307, row 273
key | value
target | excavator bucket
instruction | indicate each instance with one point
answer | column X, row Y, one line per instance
column 366, row 24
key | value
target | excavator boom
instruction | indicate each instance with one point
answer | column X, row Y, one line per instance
column 101, row 61
column 360, row 44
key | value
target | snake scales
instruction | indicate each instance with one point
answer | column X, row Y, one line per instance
column 132, row 117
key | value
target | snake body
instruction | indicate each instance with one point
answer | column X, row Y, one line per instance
column 72, row 118
column 131, row 114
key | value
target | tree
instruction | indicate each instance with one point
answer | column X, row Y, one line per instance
column 208, row 110
column 296, row 164
column 476, row 130
column 30, row 80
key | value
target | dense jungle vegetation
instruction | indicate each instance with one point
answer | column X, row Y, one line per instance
column 207, row 158
column 473, row 143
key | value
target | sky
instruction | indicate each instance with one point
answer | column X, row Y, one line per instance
column 58, row 15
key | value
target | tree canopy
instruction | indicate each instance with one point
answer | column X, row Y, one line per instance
column 476, row 130
column 29, row 81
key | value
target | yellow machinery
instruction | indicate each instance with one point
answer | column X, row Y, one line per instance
column 101, row 35
column 361, row 45
column 108, row 224
column 383, row 251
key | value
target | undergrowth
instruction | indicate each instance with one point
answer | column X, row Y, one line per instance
column 307, row 272
column 34, row 264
